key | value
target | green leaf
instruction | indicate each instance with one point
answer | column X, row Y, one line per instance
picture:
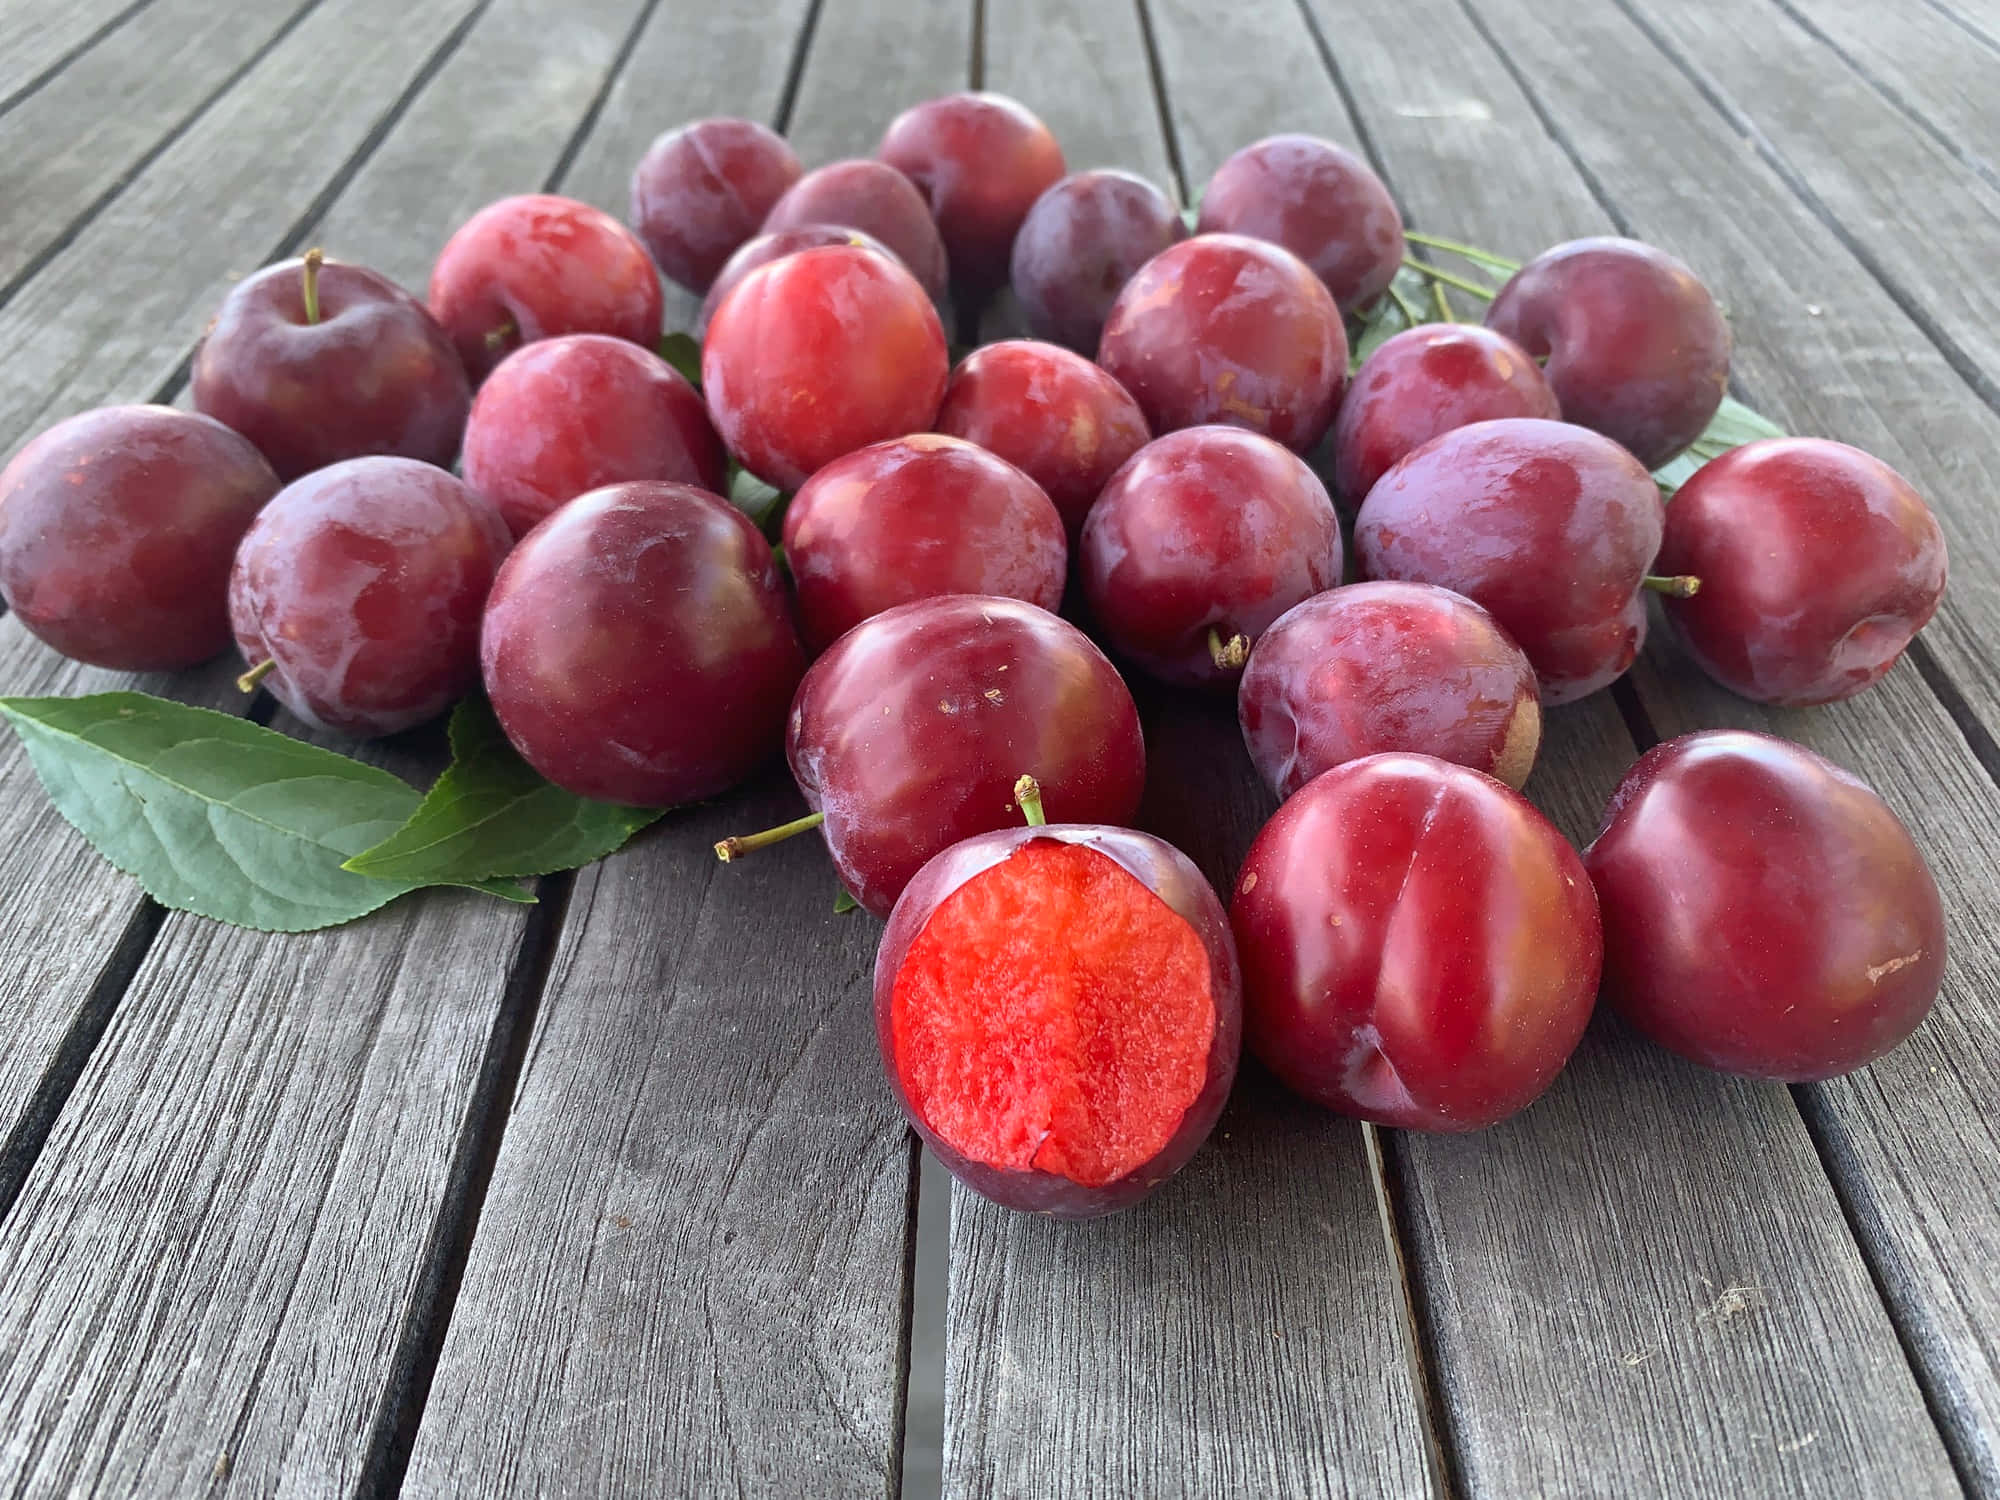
column 216, row 815
column 1405, row 304
column 491, row 814
column 1733, row 425
column 759, row 501
column 682, row 352
column 844, row 903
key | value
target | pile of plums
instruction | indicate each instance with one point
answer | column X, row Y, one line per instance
column 1060, row 999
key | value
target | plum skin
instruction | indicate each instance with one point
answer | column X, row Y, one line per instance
column 563, row 416
column 1637, row 348
column 703, row 189
column 1172, row 877
column 909, row 733
column 1054, row 415
column 1548, row 526
column 1818, row 565
column 1765, row 913
column 876, row 199
column 868, row 532
column 1220, row 328
column 638, row 646
column 374, row 374
column 1420, row 946
column 1080, row 244
column 820, row 353
column 762, row 249
column 1205, row 529
column 1374, row 667
column 363, row 584
column 1422, row 383
column 118, row 528
column 1322, row 203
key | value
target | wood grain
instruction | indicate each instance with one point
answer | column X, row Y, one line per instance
column 868, row 65
column 113, row 317
column 37, row 35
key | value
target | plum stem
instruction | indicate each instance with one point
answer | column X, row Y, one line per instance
column 1470, row 252
column 247, row 683
column 309, row 283
column 1411, row 317
column 1028, row 794
column 1230, row 654
column 1681, row 586
column 1445, row 314
column 496, row 337
column 750, row 843
column 1438, row 273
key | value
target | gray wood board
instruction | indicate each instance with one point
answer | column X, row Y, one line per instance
column 1610, row 100
column 691, row 1274
column 1243, row 1331
column 114, row 316
column 37, row 35
column 62, row 150
column 1921, row 225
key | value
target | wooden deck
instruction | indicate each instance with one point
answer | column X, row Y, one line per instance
column 606, row 1197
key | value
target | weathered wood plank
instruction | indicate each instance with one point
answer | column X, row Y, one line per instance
column 1242, row 1332
column 63, row 150
column 691, row 1270
column 867, row 66
column 1083, row 69
column 38, row 35
column 117, row 312
column 1460, row 139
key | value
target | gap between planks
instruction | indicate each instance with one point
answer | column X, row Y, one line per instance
column 41, row 80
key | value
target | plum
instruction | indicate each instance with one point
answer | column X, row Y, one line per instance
column 703, row 189
column 876, row 199
column 1420, row 946
column 981, row 161
column 536, row 266
column 117, row 531
column 1078, row 247
column 357, row 593
column 1322, row 203
column 1764, row 911
column 1817, row 565
column 1375, row 667
column 1225, row 329
column 1419, row 385
column 1636, row 347
column 315, row 361
column 638, row 647
column 776, row 245
column 1549, row 526
column 1198, row 543
column 820, row 353
column 907, row 735
column 1059, row 1012
column 913, row 517
column 567, row 415
column 1054, row 415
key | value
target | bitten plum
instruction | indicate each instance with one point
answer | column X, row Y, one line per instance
column 818, row 354
column 638, row 647
column 913, row 517
column 1322, row 203
column 537, row 266
column 357, row 593
column 1636, row 347
column 1818, row 564
column 703, row 189
column 908, row 735
column 1551, row 527
column 1080, row 244
column 876, row 199
column 1375, row 667
column 1764, row 911
column 1419, row 385
column 1054, row 415
column 117, row 530
column 1198, row 543
column 567, row 415
column 1059, row 1012
column 776, row 245
column 981, row 161
column 1420, row 946
column 315, row 361
column 1225, row 329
